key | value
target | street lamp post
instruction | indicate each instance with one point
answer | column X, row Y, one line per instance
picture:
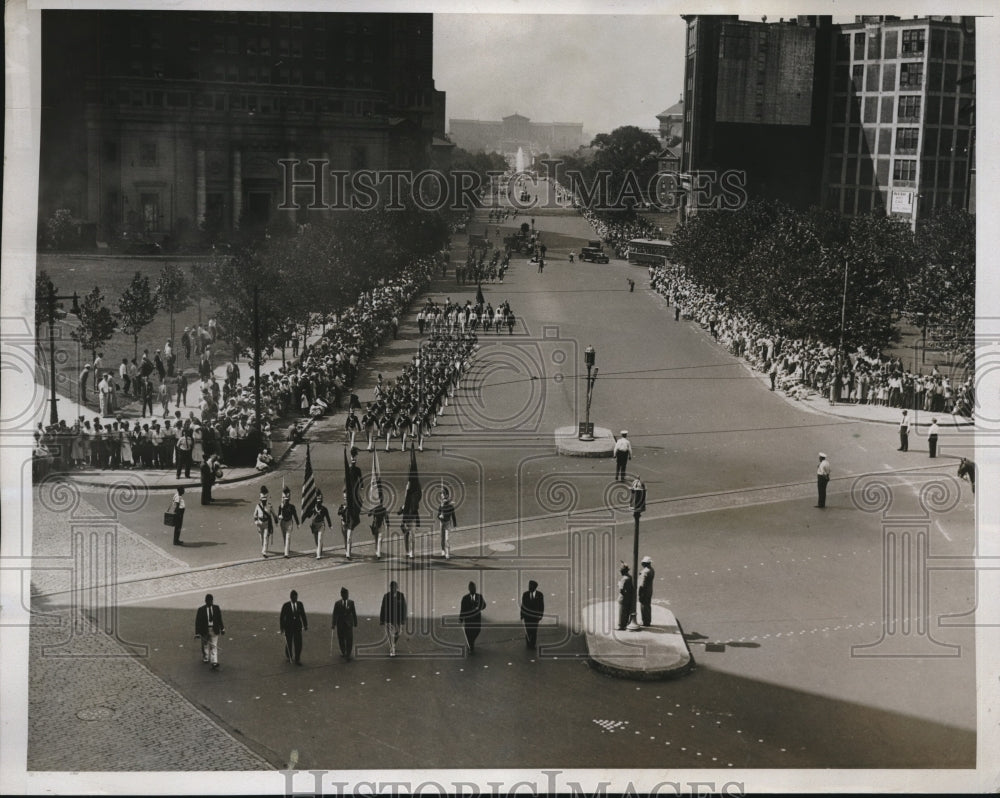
column 52, row 309
column 638, row 504
column 589, row 359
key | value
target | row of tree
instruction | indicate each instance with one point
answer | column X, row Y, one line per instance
column 308, row 275
column 799, row 271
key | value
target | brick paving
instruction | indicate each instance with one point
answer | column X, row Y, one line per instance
column 93, row 707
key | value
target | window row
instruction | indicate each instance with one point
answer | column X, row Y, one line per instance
column 942, row 143
column 883, row 77
column 876, row 44
column 866, row 171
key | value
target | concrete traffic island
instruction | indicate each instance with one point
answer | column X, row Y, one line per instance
column 569, row 443
column 656, row 652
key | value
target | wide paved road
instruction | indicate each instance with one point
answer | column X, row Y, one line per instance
column 783, row 603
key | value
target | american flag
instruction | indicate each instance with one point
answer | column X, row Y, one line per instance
column 308, row 486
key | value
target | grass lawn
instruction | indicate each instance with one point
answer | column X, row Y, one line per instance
column 81, row 273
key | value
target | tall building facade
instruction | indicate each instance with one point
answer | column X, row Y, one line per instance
column 754, row 102
column 515, row 132
column 154, row 122
column 902, row 126
column 872, row 116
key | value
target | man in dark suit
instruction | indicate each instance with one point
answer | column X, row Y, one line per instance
column 293, row 623
column 471, row 615
column 345, row 618
column 208, row 626
column 532, row 610
column 207, row 480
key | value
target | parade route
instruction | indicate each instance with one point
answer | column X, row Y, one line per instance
column 781, row 603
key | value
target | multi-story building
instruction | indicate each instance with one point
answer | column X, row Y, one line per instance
column 755, row 103
column 516, row 132
column 901, row 134
column 872, row 116
column 157, row 121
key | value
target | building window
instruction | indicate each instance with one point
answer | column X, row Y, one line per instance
column 844, row 47
column 265, row 74
column 359, row 157
column 889, row 77
column 911, row 75
column 882, row 171
column 233, row 45
column 891, row 41
column 219, row 72
column 858, row 76
column 874, row 45
column 147, row 152
column 859, row 46
column 296, row 19
column 296, row 48
column 913, row 42
column 906, row 140
column 909, row 109
column 885, row 141
column 320, row 77
column 904, row 169
column 871, row 110
column 233, row 73
column 150, row 204
column 283, row 47
column 110, row 151
column 871, row 84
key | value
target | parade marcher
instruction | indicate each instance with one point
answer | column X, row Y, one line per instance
column 345, row 618
column 626, row 597
column 319, row 519
column 446, row 515
column 622, row 453
column 380, row 519
column 532, row 610
column 822, row 480
column 932, row 437
column 471, row 615
column 392, row 615
column 904, row 432
column 646, row 576
column 292, row 623
column 287, row 513
column 353, row 426
column 208, row 626
column 263, row 520
column 177, row 508
column 368, row 422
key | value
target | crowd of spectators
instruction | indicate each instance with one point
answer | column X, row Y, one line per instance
column 616, row 233
column 222, row 419
column 798, row 366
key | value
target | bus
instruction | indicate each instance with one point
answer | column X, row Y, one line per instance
column 649, row 251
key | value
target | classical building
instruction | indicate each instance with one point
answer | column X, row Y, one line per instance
column 872, row 116
column 160, row 121
column 516, row 132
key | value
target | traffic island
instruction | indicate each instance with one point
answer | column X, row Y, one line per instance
column 656, row 652
column 569, row 443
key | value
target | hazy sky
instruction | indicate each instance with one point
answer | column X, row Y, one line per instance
column 604, row 71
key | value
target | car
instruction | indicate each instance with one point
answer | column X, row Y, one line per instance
column 594, row 255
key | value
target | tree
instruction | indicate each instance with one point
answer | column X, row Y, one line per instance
column 629, row 155
column 942, row 291
column 60, row 231
column 137, row 307
column 174, row 292
column 97, row 325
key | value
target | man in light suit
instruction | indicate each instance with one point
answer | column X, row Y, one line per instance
column 345, row 618
column 471, row 615
column 293, row 623
column 208, row 626
column 532, row 610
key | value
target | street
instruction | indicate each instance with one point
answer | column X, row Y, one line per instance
column 805, row 658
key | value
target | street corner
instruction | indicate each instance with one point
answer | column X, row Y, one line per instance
column 659, row 651
column 568, row 442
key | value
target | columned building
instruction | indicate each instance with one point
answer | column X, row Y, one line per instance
column 157, row 122
column 516, row 132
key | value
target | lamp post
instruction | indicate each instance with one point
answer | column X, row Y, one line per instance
column 52, row 310
column 638, row 505
column 589, row 359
